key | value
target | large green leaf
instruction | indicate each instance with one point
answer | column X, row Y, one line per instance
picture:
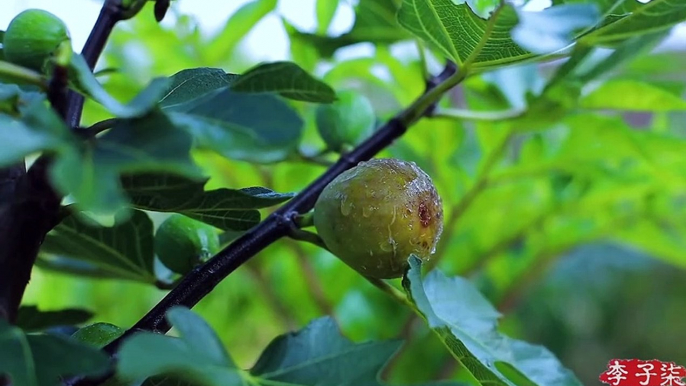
column 287, row 79
column 631, row 18
column 252, row 127
column 466, row 322
column 124, row 250
column 462, row 35
column 375, row 21
column 192, row 83
column 315, row 355
column 196, row 356
column 40, row 360
column 31, row 318
column 148, row 144
column 226, row 209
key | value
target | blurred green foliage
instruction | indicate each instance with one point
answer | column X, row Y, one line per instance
column 569, row 217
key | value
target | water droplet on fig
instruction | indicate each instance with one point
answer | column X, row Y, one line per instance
column 388, row 245
column 367, row 211
column 346, row 206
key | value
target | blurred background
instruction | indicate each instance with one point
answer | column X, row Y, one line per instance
column 564, row 228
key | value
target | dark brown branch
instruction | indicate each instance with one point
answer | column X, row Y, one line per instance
column 27, row 213
column 110, row 14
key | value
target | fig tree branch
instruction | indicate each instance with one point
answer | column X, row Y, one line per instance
column 110, row 14
column 201, row 281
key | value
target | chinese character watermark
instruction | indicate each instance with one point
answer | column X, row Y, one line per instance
column 635, row 372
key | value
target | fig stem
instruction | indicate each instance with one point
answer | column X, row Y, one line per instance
column 110, row 15
column 305, row 220
column 19, row 74
column 308, row 237
column 318, row 158
column 393, row 292
column 421, row 105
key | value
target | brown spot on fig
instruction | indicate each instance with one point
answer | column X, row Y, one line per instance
column 424, row 215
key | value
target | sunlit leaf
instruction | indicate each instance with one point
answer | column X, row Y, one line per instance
column 326, row 10
column 632, row 18
column 462, row 35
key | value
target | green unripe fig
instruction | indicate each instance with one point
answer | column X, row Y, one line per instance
column 98, row 335
column 181, row 243
column 347, row 121
column 32, row 36
column 376, row 214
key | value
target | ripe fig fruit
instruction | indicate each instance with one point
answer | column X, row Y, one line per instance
column 181, row 243
column 347, row 121
column 376, row 214
column 32, row 36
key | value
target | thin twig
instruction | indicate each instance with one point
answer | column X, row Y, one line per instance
column 317, row 159
column 313, row 283
column 308, row 237
column 272, row 297
column 461, row 207
column 470, row 115
column 99, row 127
column 110, row 14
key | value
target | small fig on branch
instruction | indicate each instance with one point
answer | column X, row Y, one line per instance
column 346, row 122
column 181, row 243
column 375, row 215
column 32, row 36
